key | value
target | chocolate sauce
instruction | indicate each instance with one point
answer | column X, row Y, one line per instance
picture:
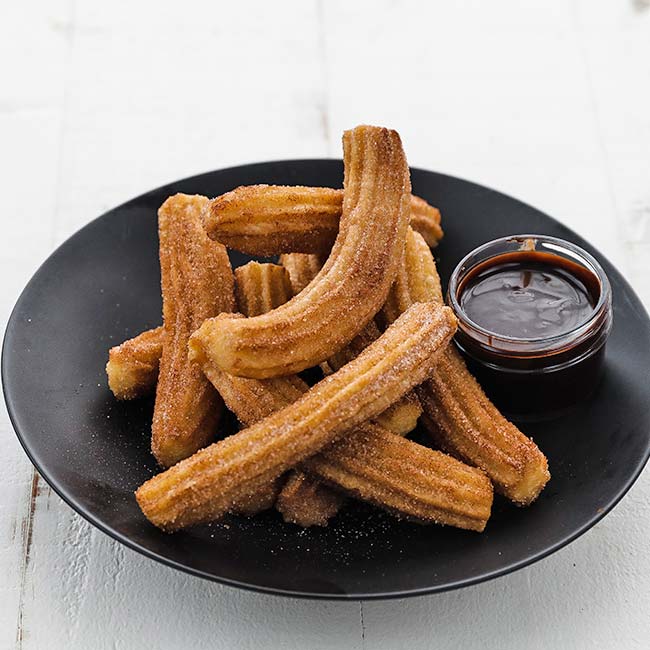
column 529, row 295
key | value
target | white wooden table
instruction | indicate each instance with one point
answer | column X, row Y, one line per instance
column 548, row 100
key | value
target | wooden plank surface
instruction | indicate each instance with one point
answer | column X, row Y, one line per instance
column 546, row 100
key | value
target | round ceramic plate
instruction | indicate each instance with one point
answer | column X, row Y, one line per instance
column 102, row 286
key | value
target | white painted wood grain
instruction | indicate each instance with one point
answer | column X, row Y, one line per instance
column 31, row 110
column 546, row 100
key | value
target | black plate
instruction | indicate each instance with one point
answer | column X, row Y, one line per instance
column 102, row 286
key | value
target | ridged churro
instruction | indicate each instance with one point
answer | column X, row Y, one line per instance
column 302, row 269
column 271, row 219
column 252, row 400
column 259, row 288
column 197, row 283
column 204, row 486
column 132, row 367
column 416, row 280
column 402, row 417
column 352, row 285
column 305, row 501
column 458, row 414
column 407, row 479
column 425, row 219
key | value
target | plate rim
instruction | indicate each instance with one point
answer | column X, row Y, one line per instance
column 278, row 591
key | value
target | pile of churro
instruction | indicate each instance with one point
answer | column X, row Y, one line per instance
column 355, row 295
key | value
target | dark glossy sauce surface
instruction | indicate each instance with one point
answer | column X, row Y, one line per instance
column 529, row 295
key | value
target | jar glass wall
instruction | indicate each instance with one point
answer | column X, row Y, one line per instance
column 532, row 377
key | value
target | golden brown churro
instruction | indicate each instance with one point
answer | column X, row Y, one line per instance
column 405, row 478
column 402, row 417
column 252, row 400
column 205, row 486
column 132, row 367
column 305, row 501
column 197, row 283
column 302, row 269
column 259, row 288
column 411, row 286
column 459, row 416
column 425, row 219
column 411, row 481
column 270, row 219
column 353, row 283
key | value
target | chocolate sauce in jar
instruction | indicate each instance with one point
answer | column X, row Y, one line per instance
column 534, row 314
column 529, row 294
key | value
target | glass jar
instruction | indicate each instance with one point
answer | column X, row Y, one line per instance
column 540, row 376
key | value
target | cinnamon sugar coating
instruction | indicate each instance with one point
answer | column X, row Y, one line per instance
column 304, row 500
column 205, row 486
column 197, row 283
column 132, row 367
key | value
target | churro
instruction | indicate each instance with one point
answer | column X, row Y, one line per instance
column 407, row 479
column 305, row 501
column 425, row 219
column 402, row 417
column 352, row 285
column 416, row 280
column 259, row 288
column 302, row 269
column 204, row 486
column 197, row 283
column 132, row 367
column 252, row 400
column 457, row 413
column 270, row 219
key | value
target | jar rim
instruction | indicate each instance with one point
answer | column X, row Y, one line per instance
column 576, row 252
